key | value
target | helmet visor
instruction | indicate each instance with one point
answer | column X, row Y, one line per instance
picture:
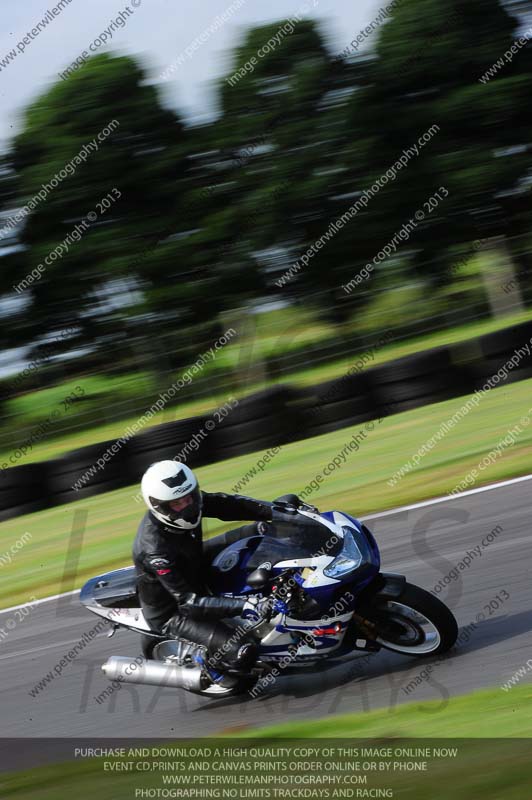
column 186, row 508
column 180, row 503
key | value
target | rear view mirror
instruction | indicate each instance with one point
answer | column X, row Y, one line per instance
column 258, row 578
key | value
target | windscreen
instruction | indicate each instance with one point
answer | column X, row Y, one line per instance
column 294, row 536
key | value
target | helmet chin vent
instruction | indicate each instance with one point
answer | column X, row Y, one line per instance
column 178, row 523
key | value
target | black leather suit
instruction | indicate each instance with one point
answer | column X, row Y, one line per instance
column 172, row 565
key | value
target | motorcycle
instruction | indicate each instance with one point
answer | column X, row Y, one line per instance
column 328, row 601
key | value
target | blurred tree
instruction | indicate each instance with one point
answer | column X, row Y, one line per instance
column 481, row 153
column 135, row 152
column 285, row 127
column 210, row 217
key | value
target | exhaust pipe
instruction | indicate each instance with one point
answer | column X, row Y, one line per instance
column 156, row 673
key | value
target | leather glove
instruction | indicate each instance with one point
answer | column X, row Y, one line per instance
column 256, row 608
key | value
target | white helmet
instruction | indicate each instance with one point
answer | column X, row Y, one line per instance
column 171, row 491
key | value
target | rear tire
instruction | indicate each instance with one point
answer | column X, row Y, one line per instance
column 242, row 685
column 416, row 623
column 147, row 644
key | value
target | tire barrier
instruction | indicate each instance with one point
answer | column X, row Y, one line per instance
column 497, row 348
column 165, row 441
column 269, row 418
column 23, row 490
column 87, row 471
column 338, row 403
column 416, row 380
column 259, row 421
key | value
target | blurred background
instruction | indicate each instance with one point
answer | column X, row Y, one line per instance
column 218, row 160
column 285, row 242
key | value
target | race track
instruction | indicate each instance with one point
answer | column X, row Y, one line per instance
column 425, row 543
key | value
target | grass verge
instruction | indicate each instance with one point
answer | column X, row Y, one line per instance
column 33, row 408
column 484, row 768
column 359, row 486
column 489, row 714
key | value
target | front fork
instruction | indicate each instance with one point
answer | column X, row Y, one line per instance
column 387, row 585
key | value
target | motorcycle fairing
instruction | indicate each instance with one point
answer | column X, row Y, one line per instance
column 310, row 548
column 114, row 596
column 284, row 635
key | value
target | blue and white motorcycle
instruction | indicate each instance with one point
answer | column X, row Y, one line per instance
column 329, row 600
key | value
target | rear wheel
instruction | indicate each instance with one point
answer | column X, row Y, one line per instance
column 182, row 653
column 416, row 623
column 233, row 686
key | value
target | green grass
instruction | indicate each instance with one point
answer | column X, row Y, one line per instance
column 359, row 486
column 484, row 768
column 29, row 409
column 409, row 346
column 490, row 713
column 53, row 447
column 30, row 405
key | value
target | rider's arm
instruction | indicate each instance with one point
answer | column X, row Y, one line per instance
column 190, row 604
column 235, row 507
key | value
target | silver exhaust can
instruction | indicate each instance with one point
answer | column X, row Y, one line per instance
column 156, row 673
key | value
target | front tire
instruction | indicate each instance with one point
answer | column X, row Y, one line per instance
column 416, row 623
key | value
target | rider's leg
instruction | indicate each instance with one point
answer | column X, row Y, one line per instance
column 226, row 646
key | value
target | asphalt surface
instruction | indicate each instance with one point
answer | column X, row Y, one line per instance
column 425, row 544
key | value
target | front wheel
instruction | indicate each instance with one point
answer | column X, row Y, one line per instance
column 416, row 623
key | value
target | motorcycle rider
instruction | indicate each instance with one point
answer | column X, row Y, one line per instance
column 171, row 562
